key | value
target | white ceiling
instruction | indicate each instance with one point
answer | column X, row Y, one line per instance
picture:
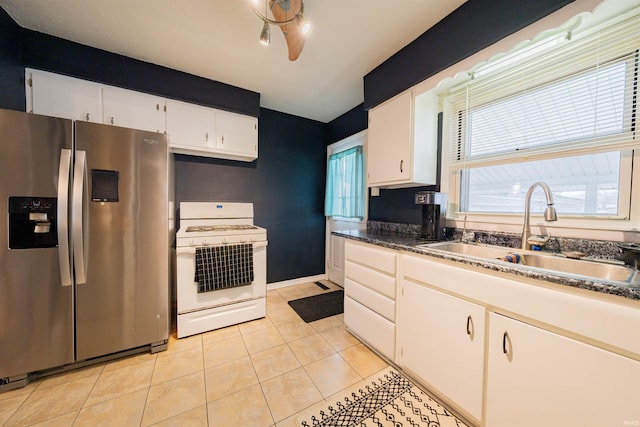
column 218, row 40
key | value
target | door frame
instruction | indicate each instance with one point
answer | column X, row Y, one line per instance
column 334, row 245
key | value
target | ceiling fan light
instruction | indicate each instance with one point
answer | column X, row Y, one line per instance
column 305, row 25
column 265, row 34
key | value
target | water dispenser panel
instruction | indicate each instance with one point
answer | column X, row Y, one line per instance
column 32, row 222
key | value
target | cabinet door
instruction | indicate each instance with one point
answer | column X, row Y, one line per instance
column 389, row 141
column 236, row 134
column 441, row 340
column 62, row 96
column 135, row 110
column 190, row 126
column 536, row 377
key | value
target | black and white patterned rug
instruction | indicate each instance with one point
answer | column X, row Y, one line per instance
column 389, row 400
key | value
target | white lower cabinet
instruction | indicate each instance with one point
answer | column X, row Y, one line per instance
column 539, row 378
column 374, row 329
column 441, row 340
column 505, row 352
column 370, row 295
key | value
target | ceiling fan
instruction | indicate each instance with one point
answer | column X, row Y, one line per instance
column 289, row 16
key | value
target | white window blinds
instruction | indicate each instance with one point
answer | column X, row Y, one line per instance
column 579, row 98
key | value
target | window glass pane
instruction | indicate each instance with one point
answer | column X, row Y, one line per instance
column 586, row 185
column 345, row 188
column 588, row 105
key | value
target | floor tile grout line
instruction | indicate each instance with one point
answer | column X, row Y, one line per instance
column 204, row 378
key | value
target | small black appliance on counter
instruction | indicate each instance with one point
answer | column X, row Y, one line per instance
column 434, row 209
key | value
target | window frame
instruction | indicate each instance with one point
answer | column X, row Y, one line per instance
column 585, row 226
column 357, row 139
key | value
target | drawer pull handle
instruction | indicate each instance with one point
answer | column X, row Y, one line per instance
column 505, row 338
column 469, row 324
column 401, row 162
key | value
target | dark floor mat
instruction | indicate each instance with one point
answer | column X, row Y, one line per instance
column 319, row 306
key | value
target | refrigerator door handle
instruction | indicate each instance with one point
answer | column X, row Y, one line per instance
column 64, row 255
column 80, row 217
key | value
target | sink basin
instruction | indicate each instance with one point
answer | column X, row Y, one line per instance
column 616, row 273
column 543, row 260
column 481, row 251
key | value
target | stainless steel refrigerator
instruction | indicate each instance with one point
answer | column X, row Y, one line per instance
column 83, row 244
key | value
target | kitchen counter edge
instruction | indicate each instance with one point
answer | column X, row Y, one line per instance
column 409, row 243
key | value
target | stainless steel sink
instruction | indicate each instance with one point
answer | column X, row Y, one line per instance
column 480, row 251
column 598, row 270
column 544, row 260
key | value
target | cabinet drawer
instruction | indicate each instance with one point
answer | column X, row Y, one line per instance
column 380, row 259
column 372, row 279
column 370, row 299
column 377, row 331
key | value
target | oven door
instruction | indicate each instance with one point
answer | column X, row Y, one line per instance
column 189, row 299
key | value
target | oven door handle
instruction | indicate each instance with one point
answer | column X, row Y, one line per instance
column 192, row 249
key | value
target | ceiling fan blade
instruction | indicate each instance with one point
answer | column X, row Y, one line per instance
column 293, row 30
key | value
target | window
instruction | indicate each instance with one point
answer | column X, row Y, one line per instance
column 345, row 184
column 566, row 117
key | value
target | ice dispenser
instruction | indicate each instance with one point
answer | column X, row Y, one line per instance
column 32, row 222
column 434, row 207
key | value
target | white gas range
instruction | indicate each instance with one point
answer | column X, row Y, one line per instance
column 221, row 266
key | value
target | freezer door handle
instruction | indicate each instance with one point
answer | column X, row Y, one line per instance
column 64, row 256
column 80, row 217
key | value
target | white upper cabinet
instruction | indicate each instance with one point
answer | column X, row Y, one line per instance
column 204, row 131
column 54, row 95
column 403, row 141
column 236, row 135
column 130, row 109
column 191, row 128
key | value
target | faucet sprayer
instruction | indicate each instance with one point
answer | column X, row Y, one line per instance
column 549, row 213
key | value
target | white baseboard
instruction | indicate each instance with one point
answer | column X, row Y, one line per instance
column 294, row 282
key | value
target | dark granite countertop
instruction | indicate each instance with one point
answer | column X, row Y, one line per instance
column 409, row 243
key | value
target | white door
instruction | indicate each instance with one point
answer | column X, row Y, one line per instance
column 334, row 244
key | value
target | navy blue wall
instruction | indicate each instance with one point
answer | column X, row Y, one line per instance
column 11, row 69
column 349, row 123
column 470, row 28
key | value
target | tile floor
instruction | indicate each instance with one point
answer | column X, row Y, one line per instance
column 259, row 373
